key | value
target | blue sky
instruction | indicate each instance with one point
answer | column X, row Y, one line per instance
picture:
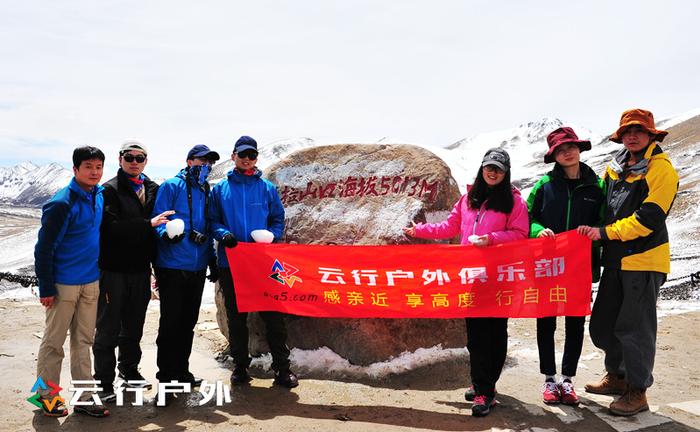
column 172, row 73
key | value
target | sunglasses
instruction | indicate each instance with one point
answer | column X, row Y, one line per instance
column 130, row 158
column 248, row 154
column 493, row 169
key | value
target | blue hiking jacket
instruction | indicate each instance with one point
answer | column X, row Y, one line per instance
column 184, row 255
column 69, row 239
column 241, row 204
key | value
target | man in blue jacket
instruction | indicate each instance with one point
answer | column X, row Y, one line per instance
column 241, row 203
column 181, row 263
column 65, row 260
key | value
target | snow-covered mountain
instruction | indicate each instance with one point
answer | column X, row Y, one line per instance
column 526, row 144
column 30, row 184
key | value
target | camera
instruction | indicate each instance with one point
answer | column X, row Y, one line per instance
column 197, row 237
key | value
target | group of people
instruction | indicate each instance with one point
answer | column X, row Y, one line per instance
column 104, row 298
column 623, row 213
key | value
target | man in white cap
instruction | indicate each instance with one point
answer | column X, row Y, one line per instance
column 127, row 250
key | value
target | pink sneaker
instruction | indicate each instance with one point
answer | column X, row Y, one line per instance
column 551, row 393
column 568, row 395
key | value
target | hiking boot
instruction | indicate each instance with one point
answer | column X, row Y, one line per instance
column 92, row 410
column 286, row 378
column 190, row 378
column 134, row 379
column 58, row 410
column 568, row 395
column 482, row 405
column 550, row 393
column 469, row 393
column 609, row 384
column 107, row 395
column 630, row 403
column 240, row 376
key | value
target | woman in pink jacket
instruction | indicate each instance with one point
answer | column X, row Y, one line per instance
column 491, row 212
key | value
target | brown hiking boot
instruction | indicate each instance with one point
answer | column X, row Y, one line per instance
column 609, row 384
column 630, row 403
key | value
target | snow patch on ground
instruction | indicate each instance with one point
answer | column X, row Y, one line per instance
column 676, row 307
column 16, row 291
column 325, row 360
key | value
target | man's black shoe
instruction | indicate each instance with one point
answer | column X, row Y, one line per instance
column 92, row 410
column 134, row 379
column 190, row 378
column 286, row 378
column 107, row 395
column 240, row 376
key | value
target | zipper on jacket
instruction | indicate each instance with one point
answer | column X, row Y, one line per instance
column 568, row 207
column 476, row 220
column 245, row 216
column 93, row 200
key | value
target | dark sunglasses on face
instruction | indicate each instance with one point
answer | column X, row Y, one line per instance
column 130, row 158
column 248, row 154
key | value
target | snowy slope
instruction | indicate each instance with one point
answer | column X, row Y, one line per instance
column 29, row 184
column 677, row 119
column 526, row 145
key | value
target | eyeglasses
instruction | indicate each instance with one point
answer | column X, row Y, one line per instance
column 493, row 169
column 130, row 158
column 248, row 154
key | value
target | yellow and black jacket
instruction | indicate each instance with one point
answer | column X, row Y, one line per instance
column 639, row 198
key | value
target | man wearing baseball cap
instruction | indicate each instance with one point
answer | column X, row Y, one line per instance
column 181, row 264
column 641, row 187
column 234, row 217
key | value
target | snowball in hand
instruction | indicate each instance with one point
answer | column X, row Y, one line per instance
column 473, row 238
column 262, row 236
column 175, row 227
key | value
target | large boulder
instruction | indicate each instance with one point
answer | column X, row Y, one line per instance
column 361, row 194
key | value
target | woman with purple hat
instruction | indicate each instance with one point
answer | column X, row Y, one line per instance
column 571, row 194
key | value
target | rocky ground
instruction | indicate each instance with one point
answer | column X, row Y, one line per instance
column 425, row 398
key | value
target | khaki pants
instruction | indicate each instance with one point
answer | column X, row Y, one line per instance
column 74, row 309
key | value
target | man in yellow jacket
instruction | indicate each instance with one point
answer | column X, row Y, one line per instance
column 641, row 187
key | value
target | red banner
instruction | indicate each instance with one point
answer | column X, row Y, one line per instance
column 524, row 279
